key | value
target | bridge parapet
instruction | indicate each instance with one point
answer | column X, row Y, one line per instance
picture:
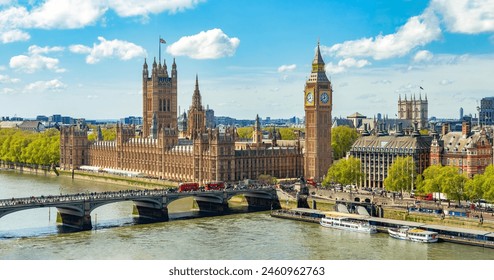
column 75, row 209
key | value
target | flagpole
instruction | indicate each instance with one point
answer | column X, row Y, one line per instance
column 159, row 43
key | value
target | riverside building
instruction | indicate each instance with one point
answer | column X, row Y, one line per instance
column 377, row 152
column 203, row 154
column 469, row 151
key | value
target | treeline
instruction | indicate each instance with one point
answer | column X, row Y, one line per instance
column 440, row 179
column 23, row 147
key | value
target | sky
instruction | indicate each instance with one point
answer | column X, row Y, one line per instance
column 84, row 58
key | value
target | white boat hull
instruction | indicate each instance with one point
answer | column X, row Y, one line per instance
column 415, row 235
column 343, row 224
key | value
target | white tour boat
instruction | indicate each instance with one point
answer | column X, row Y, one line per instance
column 413, row 234
column 347, row 224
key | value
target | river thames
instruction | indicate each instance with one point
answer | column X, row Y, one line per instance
column 35, row 235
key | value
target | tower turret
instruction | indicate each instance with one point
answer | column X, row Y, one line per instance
column 174, row 69
column 145, row 71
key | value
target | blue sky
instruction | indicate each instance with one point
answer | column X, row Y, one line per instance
column 84, row 58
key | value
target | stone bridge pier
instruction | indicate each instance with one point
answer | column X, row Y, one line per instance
column 261, row 202
column 151, row 210
column 76, row 216
column 217, row 204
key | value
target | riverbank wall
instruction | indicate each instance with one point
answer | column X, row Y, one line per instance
column 87, row 175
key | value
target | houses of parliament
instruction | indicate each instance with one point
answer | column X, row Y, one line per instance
column 205, row 154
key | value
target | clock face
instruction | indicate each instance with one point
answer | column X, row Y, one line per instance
column 324, row 97
column 309, row 98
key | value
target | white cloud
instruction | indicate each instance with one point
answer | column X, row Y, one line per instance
column 73, row 14
column 383, row 81
column 5, row 2
column 466, row 16
column 445, row 82
column 122, row 50
column 351, row 62
column 69, row 14
column 53, row 14
column 80, row 49
column 344, row 64
column 7, row 90
column 423, row 55
column 211, row 44
column 417, row 31
column 14, row 35
column 286, row 68
column 39, row 50
column 127, row 8
column 35, row 62
column 4, row 79
column 334, row 68
column 52, row 85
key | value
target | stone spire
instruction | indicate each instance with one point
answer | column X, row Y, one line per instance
column 100, row 134
column 196, row 98
column 318, row 73
column 257, row 133
column 318, row 57
column 145, row 68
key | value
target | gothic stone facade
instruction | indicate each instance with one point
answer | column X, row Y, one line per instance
column 203, row 155
column 414, row 110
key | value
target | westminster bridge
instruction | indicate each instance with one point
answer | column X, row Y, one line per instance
column 74, row 210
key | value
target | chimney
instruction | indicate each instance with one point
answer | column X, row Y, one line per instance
column 445, row 129
column 465, row 129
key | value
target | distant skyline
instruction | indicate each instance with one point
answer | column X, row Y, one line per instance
column 84, row 58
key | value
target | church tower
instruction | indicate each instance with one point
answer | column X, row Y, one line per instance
column 159, row 97
column 318, row 102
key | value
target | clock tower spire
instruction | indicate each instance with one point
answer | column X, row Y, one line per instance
column 318, row 102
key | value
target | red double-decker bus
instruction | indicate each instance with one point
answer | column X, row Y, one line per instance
column 214, row 186
column 188, row 187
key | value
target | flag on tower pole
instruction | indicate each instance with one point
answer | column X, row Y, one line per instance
column 162, row 41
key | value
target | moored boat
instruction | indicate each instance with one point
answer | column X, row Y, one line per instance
column 345, row 223
column 413, row 234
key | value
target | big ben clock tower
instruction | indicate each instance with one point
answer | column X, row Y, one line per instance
column 318, row 103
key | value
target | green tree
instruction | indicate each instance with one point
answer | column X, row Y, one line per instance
column 345, row 171
column 453, row 183
column 402, row 175
column 29, row 147
column 288, row 133
column 267, row 179
column 447, row 180
column 109, row 134
column 481, row 186
column 245, row 132
column 342, row 139
column 474, row 188
column 432, row 179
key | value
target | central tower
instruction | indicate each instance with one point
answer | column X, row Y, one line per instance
column 318, row 103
